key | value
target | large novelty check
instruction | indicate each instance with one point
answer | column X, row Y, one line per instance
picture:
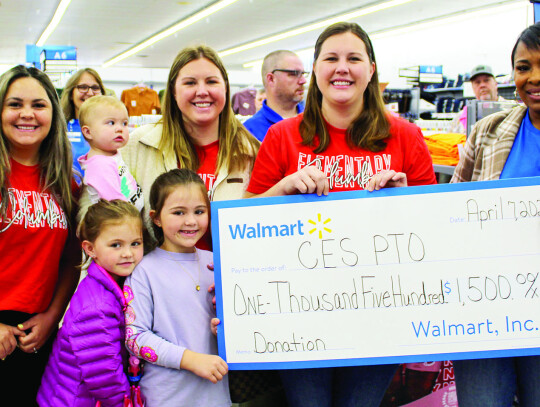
column 399, row 275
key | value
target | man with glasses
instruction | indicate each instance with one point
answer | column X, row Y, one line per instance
column 81, row 86
column 283, row 78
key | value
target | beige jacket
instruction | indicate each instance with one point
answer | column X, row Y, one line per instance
column 488, row 146
column 146, row 162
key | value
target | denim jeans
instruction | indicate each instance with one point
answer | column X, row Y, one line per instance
column 352, row 386
column 494, row 382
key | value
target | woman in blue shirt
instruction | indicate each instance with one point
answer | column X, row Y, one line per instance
column 505, row 145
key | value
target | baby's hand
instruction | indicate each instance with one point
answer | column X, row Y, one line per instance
column 210, row 367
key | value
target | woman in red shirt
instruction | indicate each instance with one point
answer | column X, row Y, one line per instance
column 345, row 140
column 38, row 249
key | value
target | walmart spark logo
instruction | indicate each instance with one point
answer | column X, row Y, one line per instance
column 319, row 226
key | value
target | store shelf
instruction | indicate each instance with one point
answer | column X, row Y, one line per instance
column 505, row 90
column 441, row 90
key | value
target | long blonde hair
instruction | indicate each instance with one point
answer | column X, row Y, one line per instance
column 371, row 127
column 236, row 145
column 66, row 100
column 55, row 159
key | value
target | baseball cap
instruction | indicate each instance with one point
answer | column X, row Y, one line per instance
column 481, row 70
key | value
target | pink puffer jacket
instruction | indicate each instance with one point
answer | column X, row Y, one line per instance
column 88, row 356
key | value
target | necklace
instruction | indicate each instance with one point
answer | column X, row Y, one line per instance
column 197, row 284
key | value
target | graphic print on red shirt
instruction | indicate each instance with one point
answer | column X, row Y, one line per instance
column 282, row 153
column 32, row 238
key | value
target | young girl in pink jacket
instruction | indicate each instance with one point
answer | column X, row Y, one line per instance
column 88, row 357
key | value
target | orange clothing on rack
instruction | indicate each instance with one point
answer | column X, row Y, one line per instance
column 141, row 100
column 444, row 147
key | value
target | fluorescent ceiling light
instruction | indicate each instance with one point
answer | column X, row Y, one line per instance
column 169, row 31
column 416, row 26
column 58, row 14
column 454, row 18
column 321, row 24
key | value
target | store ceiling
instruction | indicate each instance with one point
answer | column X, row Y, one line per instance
column 102, row 29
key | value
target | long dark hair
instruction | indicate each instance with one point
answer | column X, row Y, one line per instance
column 55, row 159
column 371, row 127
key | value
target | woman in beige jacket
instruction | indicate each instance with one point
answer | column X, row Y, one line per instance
column 198, row 130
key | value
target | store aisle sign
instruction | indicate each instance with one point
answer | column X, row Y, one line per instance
column 400, row 275
column 433, row 69
column 430, row 74
column 66, row 53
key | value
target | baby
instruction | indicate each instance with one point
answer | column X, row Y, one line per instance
column 104, row 124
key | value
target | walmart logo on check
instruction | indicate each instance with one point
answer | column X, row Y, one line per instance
column 259, row 230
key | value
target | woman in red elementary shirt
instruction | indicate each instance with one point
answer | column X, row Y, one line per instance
column 38, row 248
column 345, row 140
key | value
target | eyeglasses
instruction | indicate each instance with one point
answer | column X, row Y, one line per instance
column 86, row 88
column 293, row 72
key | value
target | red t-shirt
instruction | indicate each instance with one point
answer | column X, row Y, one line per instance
column 208, row 158
column 282, row 154
column 32, row 238
column 207, row 171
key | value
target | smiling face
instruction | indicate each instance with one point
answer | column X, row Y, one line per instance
column 118, row 247
column 78, row 96
column 527, row 79
column 343, row 71
column 26, row 119
column 200, row 94
column 183, row 218
column 484, row 87
column 107, row 129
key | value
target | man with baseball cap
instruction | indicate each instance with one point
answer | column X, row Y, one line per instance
column 484, row 87
column 483, row 83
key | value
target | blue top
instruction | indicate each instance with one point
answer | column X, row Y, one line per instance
column 523, row 160
column 261, row 121
column 79, row 146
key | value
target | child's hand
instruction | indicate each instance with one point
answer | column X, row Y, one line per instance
column 210, row 367
column 214, row 322
column 212, row 290
column 8, row 339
